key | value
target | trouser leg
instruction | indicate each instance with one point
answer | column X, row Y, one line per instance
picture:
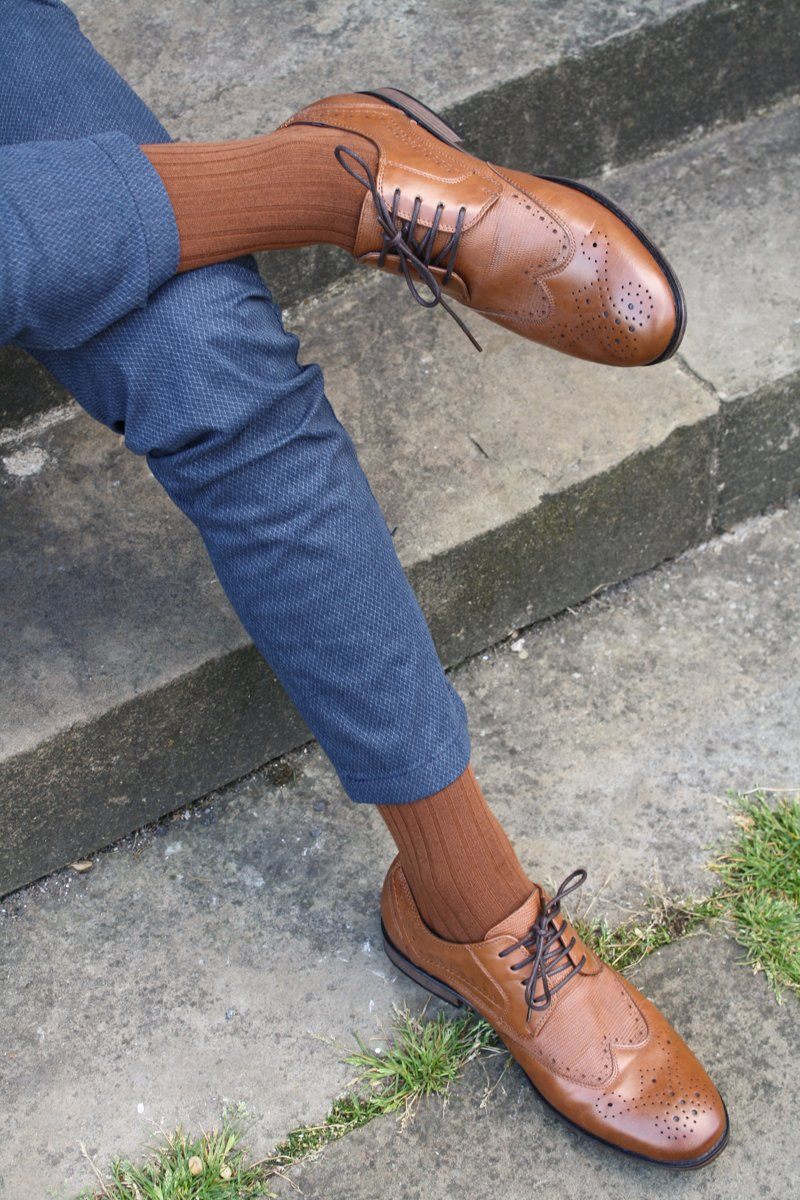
column 205, row 382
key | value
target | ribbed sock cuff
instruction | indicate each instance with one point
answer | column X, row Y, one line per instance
column 275, row 191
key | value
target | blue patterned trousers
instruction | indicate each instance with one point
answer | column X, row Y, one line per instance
column 200, row 376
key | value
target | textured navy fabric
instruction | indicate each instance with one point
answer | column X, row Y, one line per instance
column 88, row 234
column 204, row 381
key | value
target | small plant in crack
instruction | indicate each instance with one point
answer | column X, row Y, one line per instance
column 758, row 899
column 211, row 1166
column 424, row 1057
column 663, row 921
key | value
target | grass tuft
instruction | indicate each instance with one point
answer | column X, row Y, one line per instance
column 212, row 1166
column 760, row 887
column 425, row 1057
column 758, row 898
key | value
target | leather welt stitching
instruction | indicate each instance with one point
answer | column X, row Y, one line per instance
column 351, row 108
column 430, row 175
column 501, row 997
column 391, row 122
column 414, row 140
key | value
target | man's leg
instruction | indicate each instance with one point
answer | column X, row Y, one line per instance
column 205, row 382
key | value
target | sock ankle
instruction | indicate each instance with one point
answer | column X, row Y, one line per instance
column 278, row 191
column 459, row 863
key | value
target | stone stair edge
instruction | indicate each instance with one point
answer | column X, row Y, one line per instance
column 757, row 43
column 167, row 740
column 708, row 474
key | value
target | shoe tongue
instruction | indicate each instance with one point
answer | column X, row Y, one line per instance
column 517, row 923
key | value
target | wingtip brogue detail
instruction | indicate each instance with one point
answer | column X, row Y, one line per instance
column 594, row 1048
column 548, row 258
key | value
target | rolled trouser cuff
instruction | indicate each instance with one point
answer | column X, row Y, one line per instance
column 149, row 197
column 89, row 234
column 424, row 778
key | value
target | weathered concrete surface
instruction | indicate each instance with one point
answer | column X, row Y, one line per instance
column 628, row 720
column 638, row 84
column 116, row 636
column 510, row 1144
column 727, row 208
column 610, row 745
column 518, row 482
column 261, row 63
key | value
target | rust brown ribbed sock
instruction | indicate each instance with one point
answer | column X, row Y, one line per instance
column 459, row 863
column 278, row 191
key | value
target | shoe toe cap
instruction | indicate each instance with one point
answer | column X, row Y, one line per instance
column 615, row 300
column 615, row 304
column 670, row 1112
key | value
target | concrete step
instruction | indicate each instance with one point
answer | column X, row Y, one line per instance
column 566, row 89
column 234, row 950
column 519, row 482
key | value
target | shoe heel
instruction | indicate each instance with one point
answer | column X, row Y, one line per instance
column 418, row 975
column 418, row 112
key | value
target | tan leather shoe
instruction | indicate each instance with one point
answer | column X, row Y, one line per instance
column 593, row 1047
column 551, row 259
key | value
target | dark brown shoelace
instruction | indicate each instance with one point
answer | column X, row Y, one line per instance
column 399, row 240
column 550, row 955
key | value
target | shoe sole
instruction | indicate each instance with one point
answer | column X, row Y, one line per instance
column 445, row 992
column 440, row 129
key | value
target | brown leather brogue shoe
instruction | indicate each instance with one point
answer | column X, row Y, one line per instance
column 550, row 259
column 593, row 1047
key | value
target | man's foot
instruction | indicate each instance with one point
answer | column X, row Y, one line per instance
column 593, row 1047
column 548, row 258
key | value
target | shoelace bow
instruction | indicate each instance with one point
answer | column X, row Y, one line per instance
column 549, row 955
column 399, row 239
